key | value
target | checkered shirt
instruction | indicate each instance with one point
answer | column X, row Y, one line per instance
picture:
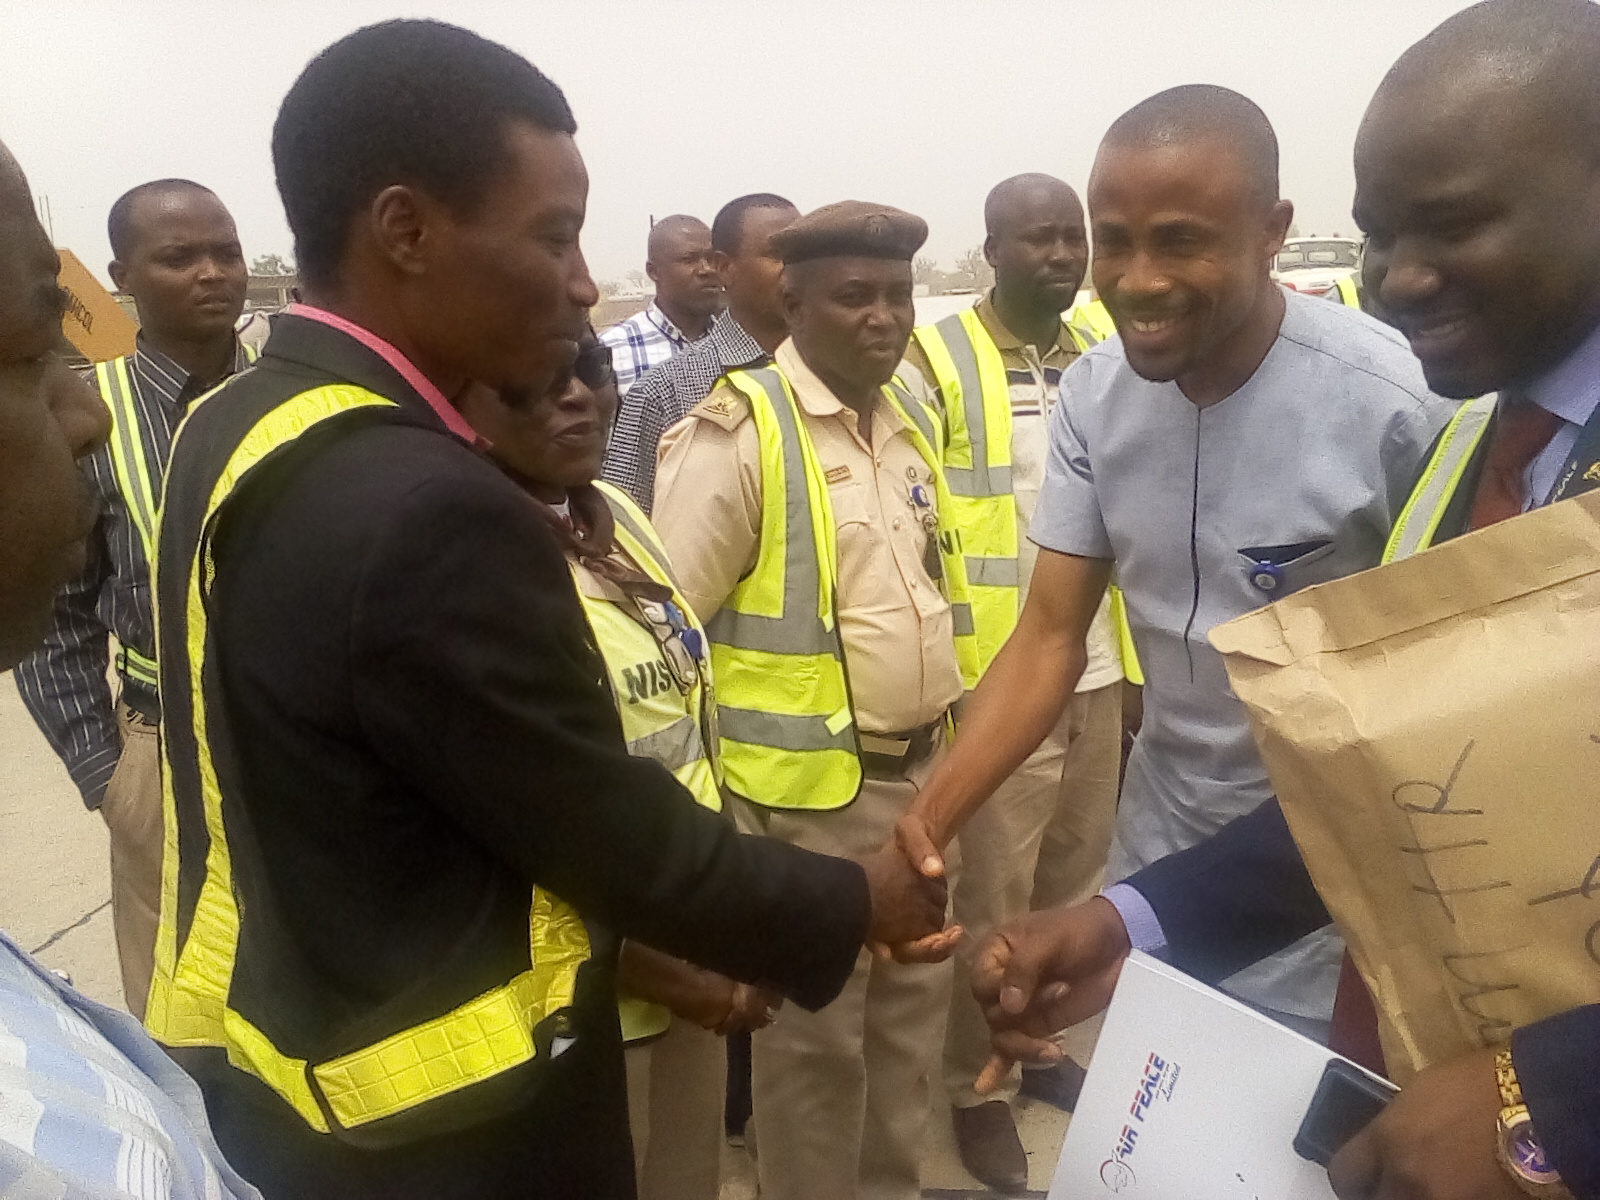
column 664, row 397
column 642, row 342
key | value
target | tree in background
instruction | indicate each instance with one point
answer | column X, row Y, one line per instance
column 925, row 272
column 972, row 271
column 271, row 264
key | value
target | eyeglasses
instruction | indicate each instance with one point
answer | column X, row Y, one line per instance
column 681, row 643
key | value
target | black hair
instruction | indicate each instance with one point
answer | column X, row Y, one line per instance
column 728, row 225
column 119, row 225
column 1194, row 111
column 420, row 103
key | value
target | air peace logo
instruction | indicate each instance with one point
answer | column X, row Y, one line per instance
column 646, row 680
column 1156, row 1082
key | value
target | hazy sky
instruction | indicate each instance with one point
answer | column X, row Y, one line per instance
column 684, row 104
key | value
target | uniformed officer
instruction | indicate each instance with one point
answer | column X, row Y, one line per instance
column 803, row 507
column 1042, row 839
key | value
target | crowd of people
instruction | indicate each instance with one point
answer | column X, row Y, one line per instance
column 530, row 743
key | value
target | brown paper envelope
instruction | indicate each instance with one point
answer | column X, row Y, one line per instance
column 1432, row 728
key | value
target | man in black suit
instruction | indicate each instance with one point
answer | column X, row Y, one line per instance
column 408, row 831
column 1478, row 184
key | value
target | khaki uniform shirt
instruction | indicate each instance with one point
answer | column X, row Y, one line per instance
column 1035, row 384
column 894, row 621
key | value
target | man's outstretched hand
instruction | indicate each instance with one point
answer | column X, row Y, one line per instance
column 1042, row 973
column 907, row 910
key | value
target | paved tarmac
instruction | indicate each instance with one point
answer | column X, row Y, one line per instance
column 55, row 897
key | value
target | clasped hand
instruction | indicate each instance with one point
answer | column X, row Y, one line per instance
column 909, row 900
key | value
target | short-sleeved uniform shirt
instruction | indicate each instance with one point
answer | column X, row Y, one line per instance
column 1305, row 468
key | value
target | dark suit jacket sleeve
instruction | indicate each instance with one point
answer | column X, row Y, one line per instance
column 1234, row 899
column 1558, row 1065
column 476, row 677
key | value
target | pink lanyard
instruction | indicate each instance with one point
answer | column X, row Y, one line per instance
column 443, row 409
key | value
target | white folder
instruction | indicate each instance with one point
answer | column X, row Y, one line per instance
column 1191, row 1096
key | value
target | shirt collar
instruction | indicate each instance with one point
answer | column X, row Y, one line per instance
column 420, row 383
column 1571, row 389
column 176, row 384
column 816, row 398
column 734, row 347
column 661, row 321
column 1004, row 339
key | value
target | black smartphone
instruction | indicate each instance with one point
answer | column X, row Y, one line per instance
column 1346, row 1099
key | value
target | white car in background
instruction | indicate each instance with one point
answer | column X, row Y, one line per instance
column 1314, row 265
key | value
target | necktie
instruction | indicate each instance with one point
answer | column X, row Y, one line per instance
column 1521, row 430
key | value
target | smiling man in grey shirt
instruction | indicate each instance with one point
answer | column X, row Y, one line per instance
column 1234, row 443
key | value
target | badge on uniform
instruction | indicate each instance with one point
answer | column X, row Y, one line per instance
column 919, row 495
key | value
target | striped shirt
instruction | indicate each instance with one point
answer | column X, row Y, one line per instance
column 664, row 396
column 63, row 683
column 90, row 1106
column 642, row 342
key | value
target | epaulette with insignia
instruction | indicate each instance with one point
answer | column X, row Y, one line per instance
column 725, row 407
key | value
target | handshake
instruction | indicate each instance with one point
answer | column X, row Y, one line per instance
column 910, row 896
column 1032, row 978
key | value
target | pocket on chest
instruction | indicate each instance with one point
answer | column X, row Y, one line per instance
column 1276, row 571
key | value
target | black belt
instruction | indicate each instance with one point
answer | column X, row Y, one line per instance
column 892, row 755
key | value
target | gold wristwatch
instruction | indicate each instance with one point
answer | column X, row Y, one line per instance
column 1521, row 1152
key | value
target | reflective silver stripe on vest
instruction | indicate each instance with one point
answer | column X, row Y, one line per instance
column 1419, row 521
column 980, row 479
column 961, row 620
column 782, row 731
column 918, row 414
column 799, row 630
column 674, row 747
column 993, row 572
column 1085, row 333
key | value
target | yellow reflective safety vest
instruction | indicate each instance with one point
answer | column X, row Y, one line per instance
column 787, row 728
column 382, row 1088
column 1349, row 291
column 1093, row 318
column 971, row 377
column 664, row 715
column 138, row 484
column 1417, row 526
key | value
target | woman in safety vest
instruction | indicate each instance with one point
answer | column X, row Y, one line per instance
column 657, row 664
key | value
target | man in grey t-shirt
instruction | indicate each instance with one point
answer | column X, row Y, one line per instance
column 1234, row 443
